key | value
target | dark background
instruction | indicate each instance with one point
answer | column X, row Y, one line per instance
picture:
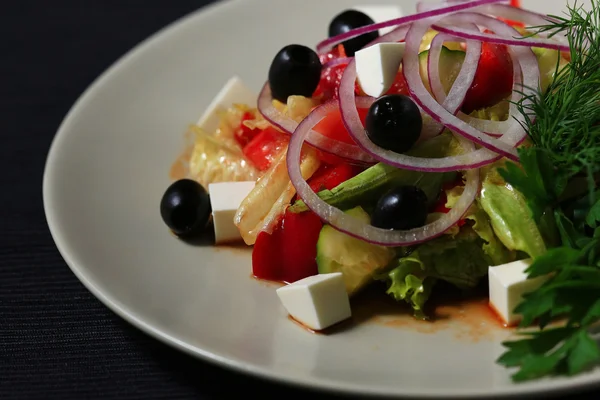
column 56, row 339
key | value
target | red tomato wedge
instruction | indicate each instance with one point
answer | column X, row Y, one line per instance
column 289, row 253
column 243, row 134
column 493, row 80
column 329, row 176
column 333, row 127
column 265, row 147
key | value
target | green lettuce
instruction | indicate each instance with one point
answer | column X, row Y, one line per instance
column 409, row 282
column 511, row 218
column 482, row 226
column 459, row 259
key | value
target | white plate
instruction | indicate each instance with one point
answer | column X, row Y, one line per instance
column 106, row 172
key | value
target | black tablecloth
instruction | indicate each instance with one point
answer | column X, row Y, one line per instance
column 56, row 339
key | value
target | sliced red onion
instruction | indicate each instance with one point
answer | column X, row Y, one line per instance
column 464, row 80
column 497, row 128
column 523, row 60
column 336, row 61
column 354, row 126
column 495, row 38
column 316, row 139
column 423, row 98
column 453, row 101
column 423, row 6
column 528, row 17
column 525, row 79
column 326, row 44
column 354, row 226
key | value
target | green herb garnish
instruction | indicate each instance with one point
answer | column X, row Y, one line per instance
column 566, row 118
column 566, row 146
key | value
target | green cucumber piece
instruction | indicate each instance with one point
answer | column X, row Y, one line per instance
column 356, row 259
column 450, row 64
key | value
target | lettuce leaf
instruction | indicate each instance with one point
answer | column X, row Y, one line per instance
column 481, row 224
column 458, row 259
column 510, row 217
column 408, row 282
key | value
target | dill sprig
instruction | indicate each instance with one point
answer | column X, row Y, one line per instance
column 566, row 117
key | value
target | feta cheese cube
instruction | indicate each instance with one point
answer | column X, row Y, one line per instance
column 377, row 66
column 234, row 91
column 381, row 13
column 225, row 199
column 317, row 301
column 507, row 285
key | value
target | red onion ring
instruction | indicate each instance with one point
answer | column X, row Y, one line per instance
column 430, row 127
column 456, row 96
column 354, row 226
column 528, row 17
column 326, row 44
column 353, row 124
column 453, row 101
column 316, row 139
column 336, row 61
column 498, row 39
column 523, row 60
column 525, row 77
column 491, row 128
column 410, row 66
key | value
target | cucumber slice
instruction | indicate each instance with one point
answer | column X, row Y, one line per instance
column 450, row 63
column 356, row 259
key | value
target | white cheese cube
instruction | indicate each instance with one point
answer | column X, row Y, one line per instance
column 225, row 199
column 234, row 91
column 381, row 13
column 317, row 301
column 377, row 66
column 507, row 285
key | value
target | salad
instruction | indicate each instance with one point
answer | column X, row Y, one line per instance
column 460, row 144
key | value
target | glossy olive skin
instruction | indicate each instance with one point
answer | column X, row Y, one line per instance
column 295, row 70
column 185, row 207
column 394, row 123
column 401, row 208
column 348, row 20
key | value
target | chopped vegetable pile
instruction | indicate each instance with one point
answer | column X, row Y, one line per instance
column 404, row 152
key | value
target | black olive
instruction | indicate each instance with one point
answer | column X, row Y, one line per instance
column 295, row 70
column 402, row 208
column 185, row 207
column 348, row 20
column 394, row 122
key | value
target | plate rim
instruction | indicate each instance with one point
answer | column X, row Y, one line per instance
column 552, row 388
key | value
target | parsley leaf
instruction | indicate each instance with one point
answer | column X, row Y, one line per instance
column 593, row 217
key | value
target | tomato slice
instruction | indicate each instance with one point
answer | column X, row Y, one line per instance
column 289, row 253
column 266, row 256
column 440, row 205
column 265, row 147
column 493, row 79
column 333, row 127
column 299, row 248
column 399, row 86
column 329, row 176
column 243, row 134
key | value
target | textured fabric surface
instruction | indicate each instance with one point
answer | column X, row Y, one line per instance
column 56, row 340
